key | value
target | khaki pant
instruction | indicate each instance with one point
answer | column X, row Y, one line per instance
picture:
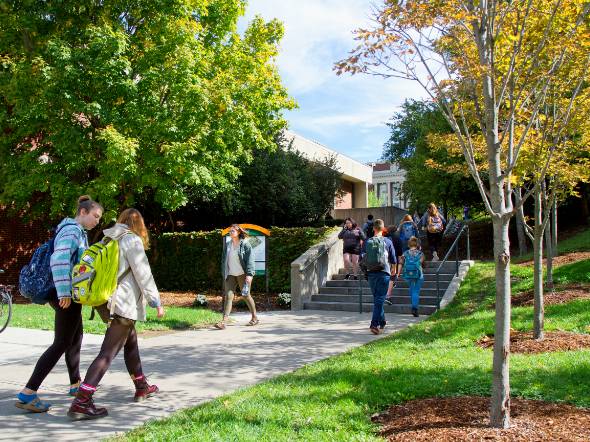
column 229, row 285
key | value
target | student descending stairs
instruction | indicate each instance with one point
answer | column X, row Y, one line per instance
column 340, row 294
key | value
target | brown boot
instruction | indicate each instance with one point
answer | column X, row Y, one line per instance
column 83, row 407
column 143, row 390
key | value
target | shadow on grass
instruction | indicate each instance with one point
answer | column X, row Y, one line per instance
column 333, row 397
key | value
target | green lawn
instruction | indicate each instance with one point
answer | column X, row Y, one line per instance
column 41, row 317
column 334, row 398
column 576, row 243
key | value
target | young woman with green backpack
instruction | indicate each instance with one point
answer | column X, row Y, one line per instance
column 69, row 244
column 411, row 270
column 135, row 288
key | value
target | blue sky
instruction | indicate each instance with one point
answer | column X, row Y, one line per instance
column 346, row 113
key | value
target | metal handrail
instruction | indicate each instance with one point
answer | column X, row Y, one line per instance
column 455, row 247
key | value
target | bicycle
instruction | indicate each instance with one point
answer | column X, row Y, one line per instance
column 5, row 306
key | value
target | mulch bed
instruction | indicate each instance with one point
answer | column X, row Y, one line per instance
column 523, row 342
column 566, row 258
column 467, row 419
column 563, row 294
column 264, row 302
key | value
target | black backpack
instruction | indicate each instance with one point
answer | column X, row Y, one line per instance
column 369, row 232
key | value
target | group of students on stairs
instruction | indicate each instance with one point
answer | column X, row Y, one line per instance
column 386, row 254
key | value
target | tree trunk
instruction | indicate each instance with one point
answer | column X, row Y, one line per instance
column 522, row 243
column 500, row 409
column 549, row 254
column 539, row 310
column 554, row 228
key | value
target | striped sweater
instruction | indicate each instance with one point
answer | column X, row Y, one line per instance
column 69, row 244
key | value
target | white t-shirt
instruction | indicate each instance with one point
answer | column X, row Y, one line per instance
column 234, row 266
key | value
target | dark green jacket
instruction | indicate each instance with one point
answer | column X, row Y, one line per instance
column 244, row 253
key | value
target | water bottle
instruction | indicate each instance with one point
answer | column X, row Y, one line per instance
column 246, row 289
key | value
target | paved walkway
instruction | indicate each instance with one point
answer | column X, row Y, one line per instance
column 194, row 366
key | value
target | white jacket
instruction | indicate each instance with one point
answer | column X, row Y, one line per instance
column 137, row 287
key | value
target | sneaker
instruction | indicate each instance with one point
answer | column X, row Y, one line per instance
column 348, row 275
column 415, row 312
column 375, row 330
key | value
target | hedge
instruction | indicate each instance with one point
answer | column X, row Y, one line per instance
column 191, row 261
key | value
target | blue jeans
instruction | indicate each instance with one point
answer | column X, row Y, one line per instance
column 379, row 283
column 415, row 286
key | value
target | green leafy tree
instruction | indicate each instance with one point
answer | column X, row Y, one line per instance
column 374, row 201
column 145, row 102
column 433, row 173
column 277, row 188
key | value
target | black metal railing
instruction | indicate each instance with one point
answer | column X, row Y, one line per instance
column 454, row 247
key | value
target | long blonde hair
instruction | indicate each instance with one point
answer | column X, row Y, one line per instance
column 432, row 209
column 133, row 219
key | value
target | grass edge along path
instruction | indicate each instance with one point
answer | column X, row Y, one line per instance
column 334, row 399
column 176, row 318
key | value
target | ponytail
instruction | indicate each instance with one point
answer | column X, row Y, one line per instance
column 87, row 203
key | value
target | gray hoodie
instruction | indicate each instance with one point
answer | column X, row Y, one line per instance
column 137, row 287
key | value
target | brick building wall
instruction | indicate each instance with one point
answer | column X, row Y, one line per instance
column 345, row 202
column 18, row 241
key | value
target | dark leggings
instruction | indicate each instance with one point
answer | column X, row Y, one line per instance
column 120, row 334
column 434, row 240
column 67, row 339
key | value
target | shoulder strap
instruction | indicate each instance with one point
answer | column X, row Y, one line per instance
column 106, row 240
column 60, row 228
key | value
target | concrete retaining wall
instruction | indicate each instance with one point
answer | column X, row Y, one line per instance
column 306, row 283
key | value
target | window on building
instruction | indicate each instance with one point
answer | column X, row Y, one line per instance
column 383, row 194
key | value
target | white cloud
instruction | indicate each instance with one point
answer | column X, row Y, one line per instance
column 318, row 33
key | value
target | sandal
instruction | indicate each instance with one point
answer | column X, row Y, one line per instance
column 252, row 322
column 35, row 405
column 220, row 325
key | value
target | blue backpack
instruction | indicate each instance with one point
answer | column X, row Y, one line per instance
column 35, row 281
column 406, row 231
column 412, row 265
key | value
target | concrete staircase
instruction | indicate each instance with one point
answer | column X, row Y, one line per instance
column 339, row 294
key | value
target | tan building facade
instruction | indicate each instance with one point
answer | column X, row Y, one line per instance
column 388, row 180
column 356, row 176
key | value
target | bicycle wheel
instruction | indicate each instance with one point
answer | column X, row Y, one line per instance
column 5, row 310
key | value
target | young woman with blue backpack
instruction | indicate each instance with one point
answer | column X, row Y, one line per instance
column 411, row 270
column 68, row 245
column 134, row 289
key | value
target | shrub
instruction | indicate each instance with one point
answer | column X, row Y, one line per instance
column 200, row 301
column 284, row 299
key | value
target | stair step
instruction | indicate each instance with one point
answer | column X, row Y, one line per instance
column 400, row 284
column 366, row 307
column 428, row 266
column 427, row 277
column 443, row 284
column 368, row 299
column 354, row 291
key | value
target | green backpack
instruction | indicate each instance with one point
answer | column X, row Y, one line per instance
column 94, row 278
column 375, row 259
